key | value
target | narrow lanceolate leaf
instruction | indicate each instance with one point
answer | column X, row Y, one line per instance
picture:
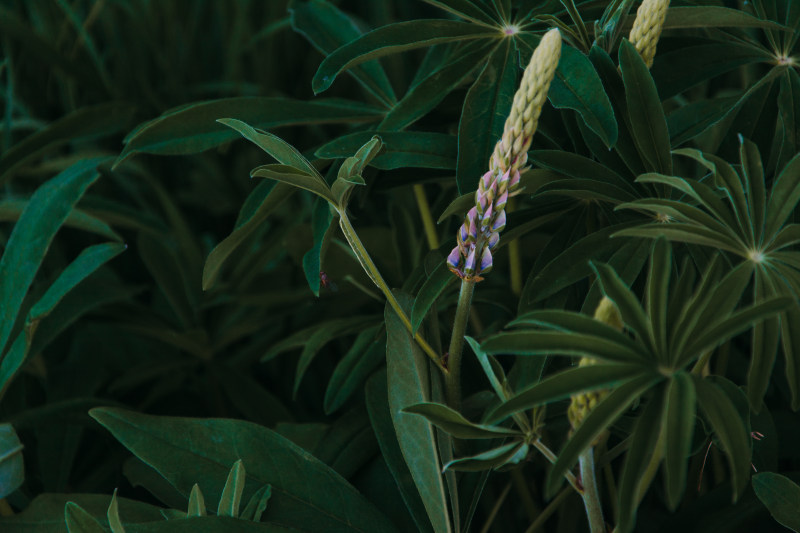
column 306, row 494
column 197, row 503
column 657, row 294
column 434, row 286
column 366, row 353
column 401, row 149
column 563, row 385
column 296, row 178
column 12, row 469
column 466, row 9
column 456, row 425
column 495, row 458
column 32, row 235
column 680, row 406
column 784, row 197
column 409, row 382
column 598, row 421
column 328, row 28
column 781, row 496
column 321, row 229
column 79, row 521
column 729, row 428
column 232, row 492
column 194, row 128
column 544, row 343
column 112, row 514
column 483, row 115
column 282, row 151
column 648, row 124
column 395, row 38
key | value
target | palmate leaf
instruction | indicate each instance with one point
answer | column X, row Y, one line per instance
column 395, row 38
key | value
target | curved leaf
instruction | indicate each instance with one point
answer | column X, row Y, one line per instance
column 453, row 423
column 781, row 496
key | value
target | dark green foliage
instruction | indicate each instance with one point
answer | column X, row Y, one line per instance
column 224, row 301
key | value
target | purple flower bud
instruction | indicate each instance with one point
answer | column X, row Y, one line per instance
column 494, row 238
column 472, row 231
column 481, row 201
column 499, row 221
column 486, row 261
column 454, row 258
column 485, row 181
column 514, row 183
column 469, row 264
column 501, row 202
column 463, row 233
column 487, row 216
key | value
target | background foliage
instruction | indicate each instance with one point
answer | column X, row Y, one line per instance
column 208, row 348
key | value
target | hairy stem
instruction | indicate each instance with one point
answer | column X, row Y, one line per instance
column 372, row 271
column 453, row 379
column 591, row 497
column 427, row 218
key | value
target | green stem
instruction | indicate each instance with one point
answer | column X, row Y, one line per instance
column 548, row 453
column 453, row 379
column 591, row 497
column 372, row 271
column 427, row 218
column 548, row 511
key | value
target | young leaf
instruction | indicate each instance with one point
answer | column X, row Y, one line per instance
column 456, row 425
column 79, row 521
column 197, row 504
column 257, row 504
column 292, row 176
column 113, row 515
column 232, row 492
column 495, row 458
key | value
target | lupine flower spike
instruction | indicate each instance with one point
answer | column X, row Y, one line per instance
column 647, row 28
column 480, row 233
column 582, row 404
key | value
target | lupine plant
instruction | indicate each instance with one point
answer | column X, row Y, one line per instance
column 498, row 266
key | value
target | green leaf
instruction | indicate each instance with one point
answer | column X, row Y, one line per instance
column 296, row 178
column 381, row 419
column 729, row 429
column 599, row 420
column 564, row 385
column 680, row 405
column 714, row 17
column 306, row 493
column 113, row 515
column 193, row 128
column 265, row 198
column 765, row 339
column 495, row 458
column 784, row 197
column 644, row 446
column 688, row 121
column 12, row 468
column 781, row 496
column 788, row 120
column 328, row 28
column 32, row 235
column 560, row 343
column 350, row 172
column 483, row 115
column 283, row 152
column 648, row 125
column 428, row 93
column 401, row 149
column 367, row 352
column 197, row 503
column 455, row 424
column 322, row 230
column 161, row 258
column 409, row 383
column 579, row 167
column 79, row 521
column 657, row 294
column 434, row 286
column 465, row 9
column 11, row 209
column 395, row 38
column 89, row 260
column 85, row 123
column 577, row 86
column 232, row 492
column 257, row 504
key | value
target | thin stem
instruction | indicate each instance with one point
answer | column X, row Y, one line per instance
column 549, row 510
column 372, row 271
column 591, row 497
column 427, row 218
column 453, row 379
column 548, row 453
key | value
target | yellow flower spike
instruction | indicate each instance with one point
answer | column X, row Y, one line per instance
column 510, row 152
column 582, row 404
column 647, row 28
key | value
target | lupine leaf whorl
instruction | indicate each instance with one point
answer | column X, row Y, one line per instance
column 480, row 232
column 511, row 151
column 647, row 28
column 582, row 404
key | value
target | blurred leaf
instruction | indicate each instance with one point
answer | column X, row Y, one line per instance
column 434, row 286
column 12, row 468
column 321, row 227
column 690, row 120
column 85, row 123
column 11, row 209
column 456, row 425
column 680, row 407
column 79, row 521
column 784, row 196
column 381, row 419
column 366, row 353
column 401, row 149
column 257, row 505
column 781, row 496
column 32, row 235
column 306, row 493
column 648, row 125
column 395, row 38
column 409, row 380
column 328, row 28
column 483, row 115
column 161, row 259
column 193, row 128
column 197, row 503
column 113, row 515
column 465, row 9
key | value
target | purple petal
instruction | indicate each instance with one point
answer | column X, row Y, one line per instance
column 463, row 233
column 486, row 261
column 454, row 258
column 469, row 264
column 514, row 181
column 501, row 202
column 499, row 221
column 487, row 216
column 494, row 238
